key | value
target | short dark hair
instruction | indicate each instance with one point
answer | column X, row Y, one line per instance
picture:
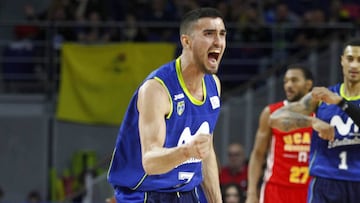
column 302, row 67
column 190, row 17
column 352, row 42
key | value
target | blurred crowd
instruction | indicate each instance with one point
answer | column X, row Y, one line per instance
column 250, row 16
column 257, row 29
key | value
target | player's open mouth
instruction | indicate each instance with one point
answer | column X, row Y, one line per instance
column 213, row 55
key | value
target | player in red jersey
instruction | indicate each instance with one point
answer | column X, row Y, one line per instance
column 286, row 176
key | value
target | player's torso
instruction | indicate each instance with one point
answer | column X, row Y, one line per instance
column 338, row 159
column 288, row 157
column 188, row 117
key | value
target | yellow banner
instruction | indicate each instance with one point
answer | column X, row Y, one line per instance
column 97, row 81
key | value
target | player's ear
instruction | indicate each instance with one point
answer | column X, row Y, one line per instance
column 185, row 41
column 309, row 84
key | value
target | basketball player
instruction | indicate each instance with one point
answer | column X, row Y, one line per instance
column 164, row 149
column 286, row 176
column 335, row 149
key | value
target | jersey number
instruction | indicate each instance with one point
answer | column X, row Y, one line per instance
column 299, row 174
column 343, row 160
column 185, row 176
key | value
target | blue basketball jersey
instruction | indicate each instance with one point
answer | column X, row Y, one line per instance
column 338, row 159
column 187, row 117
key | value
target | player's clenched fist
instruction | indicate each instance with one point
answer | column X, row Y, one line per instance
column 325, row 95
column 199, row 147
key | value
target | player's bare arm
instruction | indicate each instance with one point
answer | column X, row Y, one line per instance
column 154, row 106
column 257, row 157
column 211, row 185
column 296, row 115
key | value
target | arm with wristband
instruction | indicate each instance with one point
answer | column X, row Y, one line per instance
column 351, row 109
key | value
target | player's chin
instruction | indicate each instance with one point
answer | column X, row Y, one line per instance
column 211, row 69
column 290, row 97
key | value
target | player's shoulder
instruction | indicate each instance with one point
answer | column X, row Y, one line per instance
column 152, row 94
column 152, row 88
column 274, row 106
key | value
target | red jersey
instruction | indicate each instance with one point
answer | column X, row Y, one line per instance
column 288, row 157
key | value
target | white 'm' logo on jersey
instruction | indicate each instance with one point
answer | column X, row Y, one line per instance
column 186, row 137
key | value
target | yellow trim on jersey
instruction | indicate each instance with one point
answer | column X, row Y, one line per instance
column 139, row 183
column 145, row 197
column 170, row 99
column 111, row 162
column 342, row 93
column 182, row 84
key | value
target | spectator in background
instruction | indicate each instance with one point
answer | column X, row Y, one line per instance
column 94, row 31
column 284, row 15
column 232, row 193
column 282, row 36
column 253, row 26
column 68, row 8
column 158, row 13
column 225, row 9
column 238, row 9
column 183, row 6
column 337, row 13
column 31, row 31
column 19, row 72
column 312, row 33
column 85, row 8
column 252, row 30
column 131, row 31
column 118, row 9
column 58, row 12
column 236, row 169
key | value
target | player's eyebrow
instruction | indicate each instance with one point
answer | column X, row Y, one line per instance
column 214, row 30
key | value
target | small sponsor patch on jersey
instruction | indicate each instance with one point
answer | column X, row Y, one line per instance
column 180, row 107
column 178, row 96
column 215, row 102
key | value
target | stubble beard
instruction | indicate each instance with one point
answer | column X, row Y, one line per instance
column 296, row 97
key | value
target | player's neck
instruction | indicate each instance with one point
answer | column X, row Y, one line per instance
column 192, row 77
column 351, row 89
